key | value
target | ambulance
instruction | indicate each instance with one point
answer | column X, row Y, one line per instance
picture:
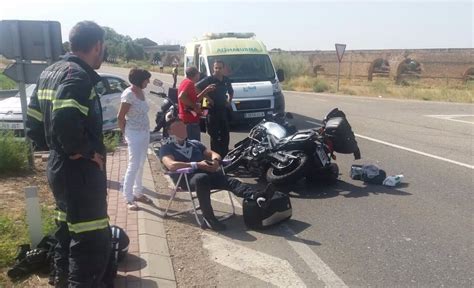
column 256, row 84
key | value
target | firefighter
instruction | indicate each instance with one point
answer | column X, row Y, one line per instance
column 65, row 114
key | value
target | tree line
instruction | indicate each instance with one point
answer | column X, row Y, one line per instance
column 120, row 46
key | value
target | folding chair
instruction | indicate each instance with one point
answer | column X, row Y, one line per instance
column 183, row 176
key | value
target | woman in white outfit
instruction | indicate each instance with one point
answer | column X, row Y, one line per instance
column 134, row 123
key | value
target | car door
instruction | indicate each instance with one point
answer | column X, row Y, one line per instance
column 110, row 89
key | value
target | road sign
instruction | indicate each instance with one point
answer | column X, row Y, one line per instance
column 340, row 48
column 31, row 72
column 39, row 40
column 24, row 42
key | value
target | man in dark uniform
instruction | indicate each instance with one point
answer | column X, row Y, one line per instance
column 218, row 118
column 65, row 114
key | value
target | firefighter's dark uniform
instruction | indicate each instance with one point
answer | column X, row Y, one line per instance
column 65, row 114
column 218, row 118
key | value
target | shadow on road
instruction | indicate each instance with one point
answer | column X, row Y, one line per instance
column 131, row 263
column 133, row 281
column 288, row 230
column 322, row 191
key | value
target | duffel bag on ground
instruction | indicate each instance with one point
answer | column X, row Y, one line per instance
column 278, row 209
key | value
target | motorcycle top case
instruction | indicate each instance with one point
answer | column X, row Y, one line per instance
column 276, row 211
column 338, row 129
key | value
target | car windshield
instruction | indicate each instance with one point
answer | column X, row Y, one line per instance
column 246, row 68
column 29, row 90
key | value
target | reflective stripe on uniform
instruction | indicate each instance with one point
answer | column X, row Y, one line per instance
column 93, row 94
column 69, row 103
column 46, row 94
column 88, row 226
column 35, row 114
column 60, row 216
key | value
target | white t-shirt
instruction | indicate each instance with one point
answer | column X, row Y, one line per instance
column 137, row 115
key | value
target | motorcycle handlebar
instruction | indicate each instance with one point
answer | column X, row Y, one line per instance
column 161, row 94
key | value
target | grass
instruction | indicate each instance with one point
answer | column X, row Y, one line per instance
column 13, row 153
column 111, row 140
column 417, row 90
column 307, row 84
column 14, row 232
column 6, row 83
column 300, row 77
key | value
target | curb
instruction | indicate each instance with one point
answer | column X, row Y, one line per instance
column 152, row 240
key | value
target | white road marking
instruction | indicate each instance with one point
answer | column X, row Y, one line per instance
column 265, row 267
column 409, row 149
column 450, row 118
column 313, row 261
column 417, row 152
column 308, row 93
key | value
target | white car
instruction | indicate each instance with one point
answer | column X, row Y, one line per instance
column 109, row 90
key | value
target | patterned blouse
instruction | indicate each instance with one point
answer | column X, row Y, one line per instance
column 137, row 116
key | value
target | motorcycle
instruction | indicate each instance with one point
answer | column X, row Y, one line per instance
column 273, row 149
column 283, row 155
column 168, row 109
column 237, row 156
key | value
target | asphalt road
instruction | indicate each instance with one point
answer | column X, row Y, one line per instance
column 420, row 233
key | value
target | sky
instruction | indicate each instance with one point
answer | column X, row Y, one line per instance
column 288, row 25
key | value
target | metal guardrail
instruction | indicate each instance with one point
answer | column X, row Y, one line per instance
column 7, row 93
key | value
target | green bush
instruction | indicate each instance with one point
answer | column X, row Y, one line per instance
column 6, row 83
column 111, row 140
column 320, row 86
column 13, row 153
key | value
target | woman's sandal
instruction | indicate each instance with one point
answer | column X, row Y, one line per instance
column 143, row 199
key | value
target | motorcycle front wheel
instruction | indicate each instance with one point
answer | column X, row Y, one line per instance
column 235, row 157
column 285, row 173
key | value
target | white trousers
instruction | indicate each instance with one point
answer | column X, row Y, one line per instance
column 137, row 153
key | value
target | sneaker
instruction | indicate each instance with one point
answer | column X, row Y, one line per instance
column 132, row 206
column 213, row 224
